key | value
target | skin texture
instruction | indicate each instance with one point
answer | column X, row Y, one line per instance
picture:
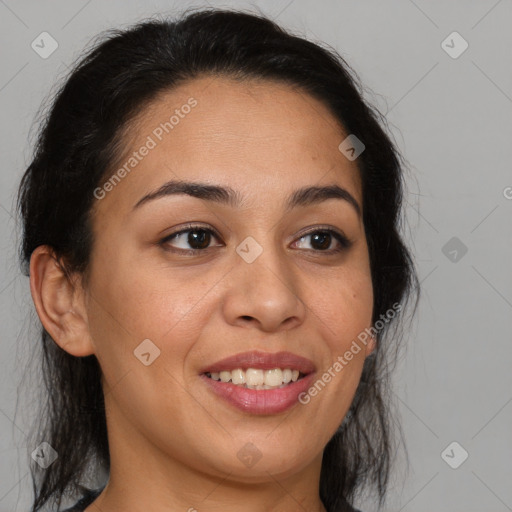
column 174, row 443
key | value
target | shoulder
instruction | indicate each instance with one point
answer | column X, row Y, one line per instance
column 89, row 496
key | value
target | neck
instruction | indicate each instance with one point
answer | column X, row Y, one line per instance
column 144, row 477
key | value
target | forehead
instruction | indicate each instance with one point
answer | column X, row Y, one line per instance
column 259, row 137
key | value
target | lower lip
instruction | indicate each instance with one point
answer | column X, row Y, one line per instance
column 260, row 401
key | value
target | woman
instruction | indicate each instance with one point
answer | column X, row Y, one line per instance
column 211, row 230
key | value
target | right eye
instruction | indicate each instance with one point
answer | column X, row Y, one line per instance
column 198, row 238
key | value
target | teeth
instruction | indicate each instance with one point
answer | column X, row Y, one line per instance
column 238, row 376
column 225, row 376
column 274, row 377
column 254, row 378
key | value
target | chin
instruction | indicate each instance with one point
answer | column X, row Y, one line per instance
column 254, row 465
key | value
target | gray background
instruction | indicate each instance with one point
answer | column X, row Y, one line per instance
column 451, row 119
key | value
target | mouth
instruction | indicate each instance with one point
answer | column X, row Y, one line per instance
column 259, row 382
column 256, row 378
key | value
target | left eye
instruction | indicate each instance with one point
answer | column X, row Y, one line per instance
column 323, row 239
column 199, row 239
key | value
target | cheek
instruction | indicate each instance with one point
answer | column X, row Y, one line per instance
column 131, row 306
column 343, row 309
column 133, row 300
column 140, row 299
column 343, row 305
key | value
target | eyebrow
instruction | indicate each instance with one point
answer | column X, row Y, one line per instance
column 226, row 195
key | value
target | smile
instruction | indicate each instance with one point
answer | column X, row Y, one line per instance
column 255, row 378
column 259, row 382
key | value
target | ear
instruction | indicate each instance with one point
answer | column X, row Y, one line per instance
column 371, row 345
column 59, row 303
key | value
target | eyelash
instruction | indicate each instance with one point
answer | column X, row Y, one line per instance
column 344, row 242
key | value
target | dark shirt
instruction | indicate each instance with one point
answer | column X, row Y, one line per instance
column 85, row 501
column 91, row 495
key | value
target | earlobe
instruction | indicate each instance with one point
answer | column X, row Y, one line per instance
column 59, row 303
column 371, row 345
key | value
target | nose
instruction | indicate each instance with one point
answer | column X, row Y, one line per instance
column 265, row 293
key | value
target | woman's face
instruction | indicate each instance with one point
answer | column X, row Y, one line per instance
column 252, row 274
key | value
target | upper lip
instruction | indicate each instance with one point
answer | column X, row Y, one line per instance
column 263, row 361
